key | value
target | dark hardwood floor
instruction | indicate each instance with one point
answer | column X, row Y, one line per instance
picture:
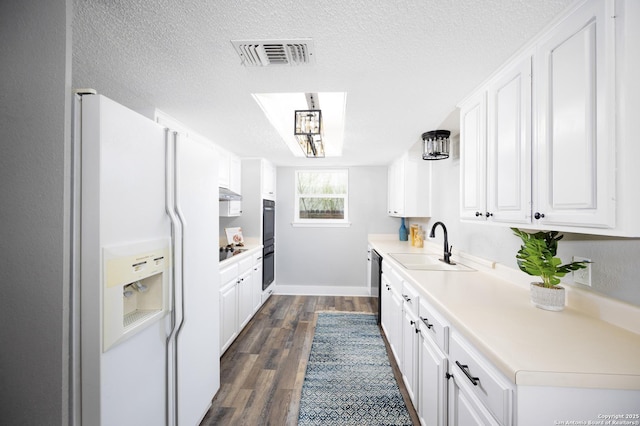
column 263, row 370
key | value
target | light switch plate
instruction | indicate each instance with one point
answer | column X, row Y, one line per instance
column 582, row 276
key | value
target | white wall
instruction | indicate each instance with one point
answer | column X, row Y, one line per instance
column 34, row 118
column 615, row 270
column 331, row 257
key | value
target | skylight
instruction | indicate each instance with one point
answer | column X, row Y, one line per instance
column 279, row 109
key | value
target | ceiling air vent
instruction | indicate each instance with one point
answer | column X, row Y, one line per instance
column 263, row 53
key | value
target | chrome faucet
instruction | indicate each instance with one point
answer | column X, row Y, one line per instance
column 447, row 249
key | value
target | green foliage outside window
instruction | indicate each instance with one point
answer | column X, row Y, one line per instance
column 321, row 194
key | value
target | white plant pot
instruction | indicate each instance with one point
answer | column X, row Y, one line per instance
column 550, row 299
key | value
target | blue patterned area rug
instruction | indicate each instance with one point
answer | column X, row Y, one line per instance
column 349, row 380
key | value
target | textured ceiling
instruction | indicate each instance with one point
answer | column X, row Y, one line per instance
column 404, row 64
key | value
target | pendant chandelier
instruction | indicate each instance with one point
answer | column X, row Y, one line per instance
column 435, row 145
column 308, row 132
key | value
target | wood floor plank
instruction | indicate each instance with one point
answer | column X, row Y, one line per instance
column 263, row 371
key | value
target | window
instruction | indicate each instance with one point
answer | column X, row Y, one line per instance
column 322, row 197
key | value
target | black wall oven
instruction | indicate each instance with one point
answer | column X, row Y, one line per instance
column 267, row 266
column 268, row 241
column 268, row 220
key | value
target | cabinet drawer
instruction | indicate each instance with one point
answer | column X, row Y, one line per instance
column 386, row 268
column 395, row 280
column 245, row 264
column 228, row 273
column 411, row 299
column 487, row 384
column 257, row 257
column 434, row 326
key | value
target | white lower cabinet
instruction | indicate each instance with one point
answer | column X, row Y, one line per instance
column 464, row 407
column 448, row 381
column 395, row 332
column 228, row 306
column 395, row 315
column 256, row 281
column 432, row 393
column 266, row 294
column 478, row 393
column 238, row 296
column 432, row 367
column 386, row 304
column 410, row 341
column 245, row 297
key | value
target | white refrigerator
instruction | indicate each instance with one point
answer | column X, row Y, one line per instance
column 148, row 302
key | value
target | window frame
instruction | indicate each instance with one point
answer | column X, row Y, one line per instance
column 317, row 222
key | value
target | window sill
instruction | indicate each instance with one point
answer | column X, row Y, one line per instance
column 321, row 224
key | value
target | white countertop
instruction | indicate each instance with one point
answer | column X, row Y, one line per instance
column 530, row 346
column 250, row 250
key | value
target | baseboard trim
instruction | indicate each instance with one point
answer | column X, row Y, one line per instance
column 320, row 290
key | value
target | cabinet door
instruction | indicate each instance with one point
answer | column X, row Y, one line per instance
column 395, row 332
column 235, row 173
column 396, row 184
column 245, row 299
column 473, row 159
column 410, row 354
column 509, row 145
column 228, row 314
column 409, row 179
column 223, row 168
column 575, row 155
column 386, row 316
column 256, row 283
column 400, row 189
column 268, row 180
column 465, row 409
column 432, row 382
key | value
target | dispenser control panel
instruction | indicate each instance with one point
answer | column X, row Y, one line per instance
column 136, row 288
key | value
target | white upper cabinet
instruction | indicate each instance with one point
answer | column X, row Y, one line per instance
column 547, row 142
column 409, row 183
column 396, row 188
column 223, row 168
column 268, row 180
column 509, row 145
column 575, row 159
column 235, row 174
column 473, row 148
column 230, row 170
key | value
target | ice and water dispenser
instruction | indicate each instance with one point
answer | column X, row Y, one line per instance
column 135, row 288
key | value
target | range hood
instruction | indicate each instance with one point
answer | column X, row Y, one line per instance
column 228, row 195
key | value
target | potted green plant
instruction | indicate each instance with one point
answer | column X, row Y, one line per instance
column 537, row 257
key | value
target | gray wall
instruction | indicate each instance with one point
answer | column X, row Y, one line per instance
column 331, row 256
column 615, row 271
column 34, row 118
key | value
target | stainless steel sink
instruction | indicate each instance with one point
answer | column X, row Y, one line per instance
column 427, row 262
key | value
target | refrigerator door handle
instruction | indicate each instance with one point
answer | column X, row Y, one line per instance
column 171, row 391
column 180, row 287
column 181, row 219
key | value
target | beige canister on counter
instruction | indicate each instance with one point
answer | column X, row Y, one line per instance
column 419, row 238
column 413, row 231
